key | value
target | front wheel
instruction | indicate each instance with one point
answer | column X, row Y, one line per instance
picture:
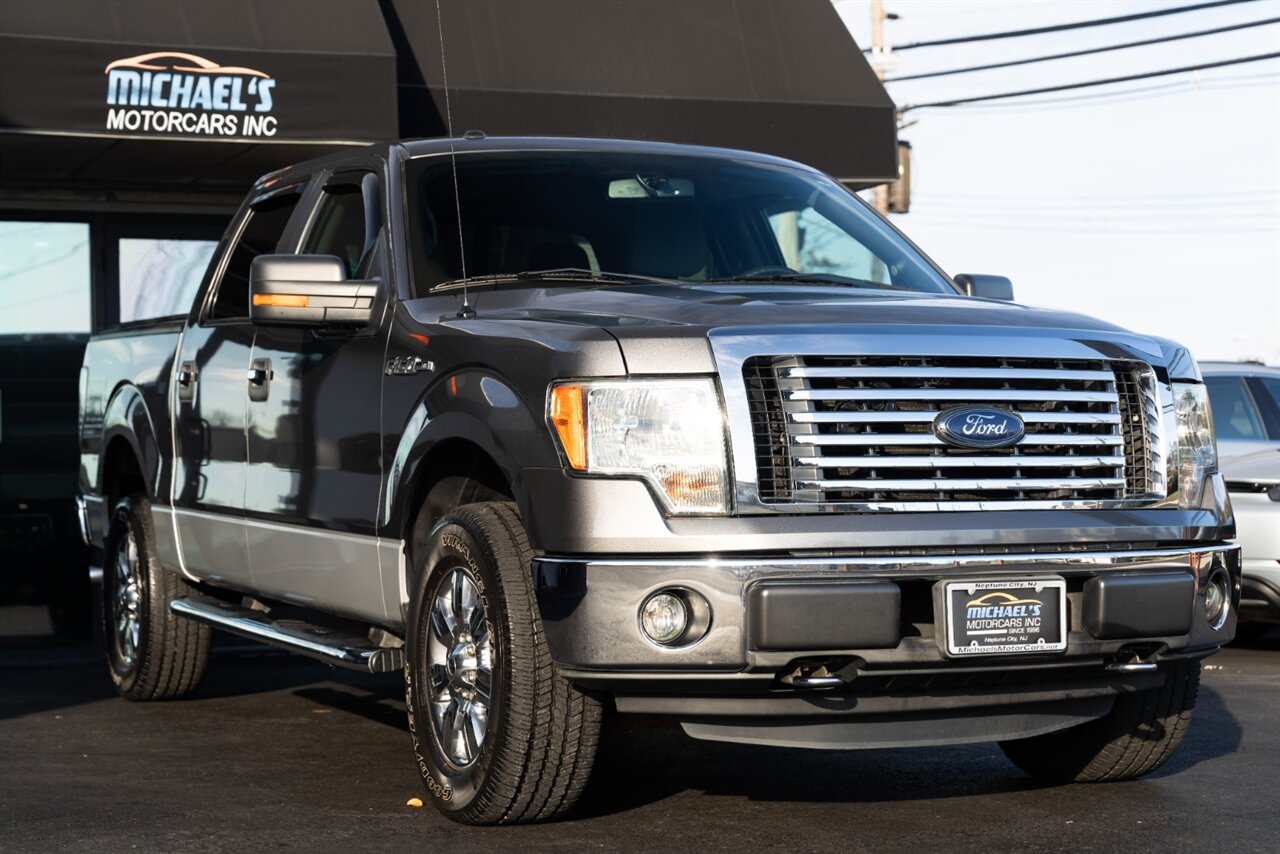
column 500, row 736
column 1136, row 737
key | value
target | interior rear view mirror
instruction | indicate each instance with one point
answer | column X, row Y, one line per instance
column 987, row 287
column 650, row 186
column 308, row 290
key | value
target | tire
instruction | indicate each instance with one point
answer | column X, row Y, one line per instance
column 1136, row 737
column 532, row 744
column 152, row 653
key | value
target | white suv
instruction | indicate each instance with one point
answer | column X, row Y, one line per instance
column 1245, row 399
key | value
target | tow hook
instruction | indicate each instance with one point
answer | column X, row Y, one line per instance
column 812, row 676
column 1131, row 661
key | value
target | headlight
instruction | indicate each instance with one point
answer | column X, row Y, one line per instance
column 668, row 432
column 1196, row 453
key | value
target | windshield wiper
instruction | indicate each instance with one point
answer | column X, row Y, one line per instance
column 807, row 279
column 575, row 274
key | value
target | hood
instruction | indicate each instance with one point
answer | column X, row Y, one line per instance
column 696, row 309
column 665, row 329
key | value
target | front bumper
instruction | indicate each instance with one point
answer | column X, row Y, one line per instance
column 590, row 613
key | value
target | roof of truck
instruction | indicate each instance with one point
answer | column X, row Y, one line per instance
column 464, row 145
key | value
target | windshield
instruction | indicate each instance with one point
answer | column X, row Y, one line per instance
column 678, row 217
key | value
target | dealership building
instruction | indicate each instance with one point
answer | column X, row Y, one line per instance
column 130, row 129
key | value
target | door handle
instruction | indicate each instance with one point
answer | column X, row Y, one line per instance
column 187, row 376
column 259, row 376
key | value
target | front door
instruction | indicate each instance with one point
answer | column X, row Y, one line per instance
column 210, row 396
column 314, row 425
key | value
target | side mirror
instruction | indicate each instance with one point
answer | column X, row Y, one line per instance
column 308, row 290
column 987, row 287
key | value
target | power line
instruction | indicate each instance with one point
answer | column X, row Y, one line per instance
column 1069, row 229
column 1270, row 207
column 1087, row 52
column 1104, row 215
column 1121, row 96
column 1089, row 83
column 1076, row 25
column 1087, row 197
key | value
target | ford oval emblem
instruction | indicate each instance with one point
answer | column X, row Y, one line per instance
column 979, row 427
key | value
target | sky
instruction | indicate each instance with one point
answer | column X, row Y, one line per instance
column 1157, row 210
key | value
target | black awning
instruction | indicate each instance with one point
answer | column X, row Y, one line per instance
column 239, row 83
column 779, row 76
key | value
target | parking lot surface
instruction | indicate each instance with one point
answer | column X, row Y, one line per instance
column 277, row 752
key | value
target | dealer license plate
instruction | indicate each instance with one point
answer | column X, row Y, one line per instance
column 1005, row 617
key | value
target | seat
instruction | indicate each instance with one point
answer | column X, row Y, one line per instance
column 667, row 241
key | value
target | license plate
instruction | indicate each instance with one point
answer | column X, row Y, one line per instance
column 1005, row 617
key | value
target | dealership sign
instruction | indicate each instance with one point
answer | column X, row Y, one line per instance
column 195, row 93
column 172, row 92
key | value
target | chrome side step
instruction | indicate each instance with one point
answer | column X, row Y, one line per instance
column 331, row 647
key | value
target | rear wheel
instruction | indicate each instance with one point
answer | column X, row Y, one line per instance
column 153, row 654
column 500, row 737
column 1136, row 737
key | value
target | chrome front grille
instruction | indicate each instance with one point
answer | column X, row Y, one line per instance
column 858, row 431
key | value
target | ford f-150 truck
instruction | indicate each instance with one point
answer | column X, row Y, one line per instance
column 564, row 428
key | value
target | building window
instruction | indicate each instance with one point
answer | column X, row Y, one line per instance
column 160, row 278
column 44, row 277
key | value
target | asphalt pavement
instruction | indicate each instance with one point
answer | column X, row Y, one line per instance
column 277, row 752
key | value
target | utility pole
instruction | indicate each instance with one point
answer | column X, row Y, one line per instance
column 882, row 61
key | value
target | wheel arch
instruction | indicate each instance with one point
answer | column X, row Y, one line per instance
column 130, row 460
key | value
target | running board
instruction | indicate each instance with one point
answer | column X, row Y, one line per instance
column 331, row 647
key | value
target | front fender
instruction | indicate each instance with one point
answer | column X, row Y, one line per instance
column 479, row 407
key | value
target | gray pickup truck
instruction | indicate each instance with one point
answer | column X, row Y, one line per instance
column 567, row 428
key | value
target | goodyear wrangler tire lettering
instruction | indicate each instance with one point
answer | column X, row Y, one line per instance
column 475, row 655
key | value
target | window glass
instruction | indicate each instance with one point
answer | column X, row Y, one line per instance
column 260, row 236
column 1272, row 385
column 811, row 243
column 44, row 277
column 341, row 227
column 1234, row 415
column 687, row 218
column 160, row 278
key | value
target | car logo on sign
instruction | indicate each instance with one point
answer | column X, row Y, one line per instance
column 979, row 427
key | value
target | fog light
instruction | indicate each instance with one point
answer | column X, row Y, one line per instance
column 664, row 617
column 1217, row 597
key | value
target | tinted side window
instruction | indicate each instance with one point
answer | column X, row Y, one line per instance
column 1234, row 415
column 346, row 223
column 1272, row 386
column 260, row 236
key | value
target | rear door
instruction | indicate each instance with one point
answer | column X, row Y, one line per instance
column 210, row 398
column 314, row 428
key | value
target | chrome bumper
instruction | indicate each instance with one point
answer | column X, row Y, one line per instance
column 590, row 610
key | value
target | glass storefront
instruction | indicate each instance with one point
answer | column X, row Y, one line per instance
column 45, row 277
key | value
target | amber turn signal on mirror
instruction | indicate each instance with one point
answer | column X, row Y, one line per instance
column 281, row 300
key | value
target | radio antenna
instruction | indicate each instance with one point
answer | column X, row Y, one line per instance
column 467, row 311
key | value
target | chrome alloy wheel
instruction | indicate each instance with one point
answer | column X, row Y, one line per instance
column 127, row 605
column 460, row 657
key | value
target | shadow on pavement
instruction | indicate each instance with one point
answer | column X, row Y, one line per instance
column 382, row 704
column 50, row 675
column 638, row 768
